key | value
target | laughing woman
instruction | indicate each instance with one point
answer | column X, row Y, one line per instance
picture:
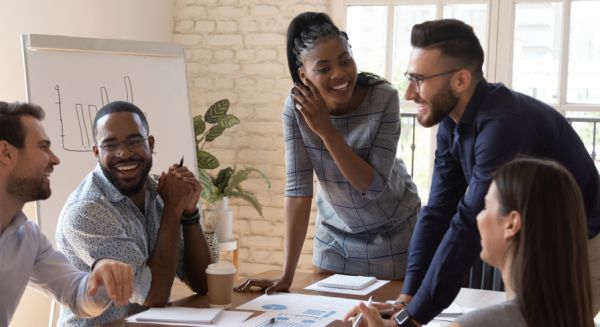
column 344, row 127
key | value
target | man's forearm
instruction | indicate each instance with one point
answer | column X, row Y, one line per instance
column 163, row 260
column 196, row 258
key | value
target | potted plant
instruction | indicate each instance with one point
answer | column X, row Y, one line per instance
column 216, row 190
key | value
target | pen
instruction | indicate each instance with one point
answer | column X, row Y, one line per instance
column 181, row 162
column 360, row 316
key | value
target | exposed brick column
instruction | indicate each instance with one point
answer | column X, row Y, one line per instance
column 235, row 49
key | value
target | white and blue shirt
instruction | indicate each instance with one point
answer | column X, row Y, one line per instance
column 98, row 221
column 26, row 255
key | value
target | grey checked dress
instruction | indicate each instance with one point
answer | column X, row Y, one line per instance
column 356, row 233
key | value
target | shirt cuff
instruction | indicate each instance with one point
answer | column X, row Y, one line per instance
column 90, row 306
column 418, row 309
column 410, row 286
column 142, row 286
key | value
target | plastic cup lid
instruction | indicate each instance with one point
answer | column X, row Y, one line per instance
column 221, row 268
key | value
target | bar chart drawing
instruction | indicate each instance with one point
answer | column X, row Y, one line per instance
column 76, row 120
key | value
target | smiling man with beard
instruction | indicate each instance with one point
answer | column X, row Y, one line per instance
column 26, row 255
column 481, row 126
column 119, row 212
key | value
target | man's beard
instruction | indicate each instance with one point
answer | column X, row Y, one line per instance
column 441, row 105
column 27, row 188
column 129, row 190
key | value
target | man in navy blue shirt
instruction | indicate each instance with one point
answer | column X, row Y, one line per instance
column 481, row 127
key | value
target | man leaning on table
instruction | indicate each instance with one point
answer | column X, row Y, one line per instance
column 26, row 255
column 480, row 127
column 118, row 211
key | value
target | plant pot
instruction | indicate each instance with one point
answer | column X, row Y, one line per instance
column 222, row 219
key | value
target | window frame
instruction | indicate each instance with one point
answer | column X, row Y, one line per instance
column 498, row 52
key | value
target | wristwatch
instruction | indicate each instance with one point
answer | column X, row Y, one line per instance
column 403, row 319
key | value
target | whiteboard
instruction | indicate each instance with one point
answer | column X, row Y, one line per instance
column 71, row 78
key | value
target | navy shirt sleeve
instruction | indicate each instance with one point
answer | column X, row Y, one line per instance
column 493, row 141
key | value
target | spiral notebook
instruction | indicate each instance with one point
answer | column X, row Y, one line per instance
column 347, row 282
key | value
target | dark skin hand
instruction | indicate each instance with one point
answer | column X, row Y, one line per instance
column 266, row 285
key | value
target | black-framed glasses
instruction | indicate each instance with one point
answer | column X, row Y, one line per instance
column 131, row 143
column 416, row 80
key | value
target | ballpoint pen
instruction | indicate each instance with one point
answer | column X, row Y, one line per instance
column 181, row 162
column 360, row 316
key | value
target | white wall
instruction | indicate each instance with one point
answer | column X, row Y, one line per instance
column 129, row 19
column 150, row 20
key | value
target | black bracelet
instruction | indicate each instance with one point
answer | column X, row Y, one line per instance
column 187, row 222
column 191, row 219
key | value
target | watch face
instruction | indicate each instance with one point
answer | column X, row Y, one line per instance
column 402, row 318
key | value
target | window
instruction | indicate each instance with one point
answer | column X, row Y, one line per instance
column 547, row 49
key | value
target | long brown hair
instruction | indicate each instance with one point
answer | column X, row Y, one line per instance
column 550, row 270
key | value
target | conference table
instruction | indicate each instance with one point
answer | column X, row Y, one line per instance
column 469, row 298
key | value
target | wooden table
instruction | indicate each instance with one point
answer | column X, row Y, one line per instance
column 301, row 280
column 467, row 297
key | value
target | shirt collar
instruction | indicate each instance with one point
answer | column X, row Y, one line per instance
column 18, row 220
column 111, row 192
column 479, row 95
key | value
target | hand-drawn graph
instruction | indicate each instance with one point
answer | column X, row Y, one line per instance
column 76, row 122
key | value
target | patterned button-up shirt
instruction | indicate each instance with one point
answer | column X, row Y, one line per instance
column 98, row 221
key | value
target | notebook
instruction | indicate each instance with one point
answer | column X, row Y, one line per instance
column 180, row 315
column 347, row 282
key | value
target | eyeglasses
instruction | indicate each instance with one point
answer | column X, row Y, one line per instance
column 133, row 142
column 416, row 80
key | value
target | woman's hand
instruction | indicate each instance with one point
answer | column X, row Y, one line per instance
column 268, row 285
column 382, row 309
column 371, row 316
column 310, row 104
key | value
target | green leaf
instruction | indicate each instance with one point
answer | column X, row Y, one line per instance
column 248, row 196
column 242, row 175
column 208, row 189
column 206, row 160
column 217, row 111
column 199, row 125
column 214, row 132
column 228, row 121
column 223, row 178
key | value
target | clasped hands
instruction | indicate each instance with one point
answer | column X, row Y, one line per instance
column 179, row 187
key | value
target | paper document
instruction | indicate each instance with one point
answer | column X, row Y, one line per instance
column 228, row 319
column 180, row 314
column 284, row 319
column 323, row 306
column 364, row 291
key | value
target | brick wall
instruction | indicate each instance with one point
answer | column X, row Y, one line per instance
column 236, row 49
